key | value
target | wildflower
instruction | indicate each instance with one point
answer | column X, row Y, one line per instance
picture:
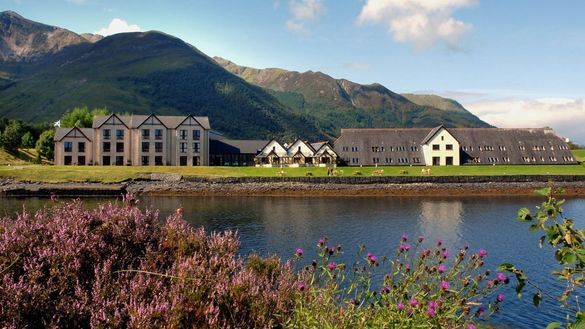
column 480, row 311
column 433, row 304
column 482, row 253
column 501, row 277
column 420, row 238
column 444, row 285
column 385, row 289
column 331, row 266
column 407, row 246
column 413, row 302
column 400, row 306
column 372, row 258
column 299, row 252
column 490, row 283
column 321, row 242
column 500, row 298
column 471, row 326
column 445, row 254
column 179, row 211
column 404, row 238
column 300, row 285
column 431, row 312
column 441, row 268
column 439, row 242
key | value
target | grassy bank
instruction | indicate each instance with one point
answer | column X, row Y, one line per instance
column 579, row 155
column 41, row 173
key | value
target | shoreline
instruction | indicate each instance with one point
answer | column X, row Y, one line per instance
column 297, row 187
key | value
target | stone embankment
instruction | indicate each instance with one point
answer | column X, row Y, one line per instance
column 172, row 184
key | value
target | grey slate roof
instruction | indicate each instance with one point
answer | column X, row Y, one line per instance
column 135, row 120
column 231, row 146
column 478, row 145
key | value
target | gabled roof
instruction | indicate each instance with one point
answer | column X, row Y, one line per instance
column 433, row 132
column 99, row 120
column 272, row 140
column 136, row 120
column 289, row 148
column 63, row 132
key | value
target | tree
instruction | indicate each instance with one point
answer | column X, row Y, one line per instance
column 27, row 140
column 81, row 117
column 45, row 144
column 12, row 136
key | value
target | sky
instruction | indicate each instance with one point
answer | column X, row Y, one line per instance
column 513, row 63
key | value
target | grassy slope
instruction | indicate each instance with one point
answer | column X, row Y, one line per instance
column 38, row 173
column 579, row 155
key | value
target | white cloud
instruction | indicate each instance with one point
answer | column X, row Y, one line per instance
column 118, row 25
column 303, row 11
column 565, row 115
column 420, row 22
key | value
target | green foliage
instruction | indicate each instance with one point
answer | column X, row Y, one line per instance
column 27, row 140
column 81, row 117
column 561, row 235
column 418, row 289
column 45, row 144
column 12, row 136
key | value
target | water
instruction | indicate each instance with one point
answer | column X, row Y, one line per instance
column 278, row 225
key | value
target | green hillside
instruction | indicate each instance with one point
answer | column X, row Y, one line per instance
column 339, row 103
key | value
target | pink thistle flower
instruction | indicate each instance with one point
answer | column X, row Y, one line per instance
column 500, row 298
column 501, row 277
column 321, row 242
column 385, row 289
column 445, row 254
column 445, row 285
column 299, row 252
column 431, row 312
column 413, row 302
column 471, row 326
column 331, row 266
column 404, row 238
column 420, row 238
column 407, row 246
column 400, row 306
column 439, row 242
column 482, row 253
column 441, row 268
column 372, row 258
column 300, row 285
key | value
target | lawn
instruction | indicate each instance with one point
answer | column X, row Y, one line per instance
column 579, row 155
column 43, row 173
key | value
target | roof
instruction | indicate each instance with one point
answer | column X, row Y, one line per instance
column 432, row 134
column 135, row 120
column 60, row 133
column 231, row 146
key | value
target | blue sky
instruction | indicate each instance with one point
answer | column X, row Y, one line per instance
column 513, row 63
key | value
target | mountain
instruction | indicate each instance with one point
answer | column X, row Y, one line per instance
column 141, row 73
column 338, row 103
column 24, row 40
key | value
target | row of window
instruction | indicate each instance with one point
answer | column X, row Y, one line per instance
column 183, row 147
column 107, row 134
column 380, row 149
column 183, row 134
column 448, row 147
column 158, row 134
column 68, row 146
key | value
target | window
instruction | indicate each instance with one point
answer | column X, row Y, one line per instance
column 436, row 161
column 119, row 134
column 81, row 147
column 106, row 160
column 196, row 148
column 376, row 160
column 106, row 133
column 145, row 134
column 182, row 161
column 502, row 148
column 522, row 147
column 158, row 147
column 196, row 161
column 391, row 148
column 375, row 149
column 67, row 160
column 449, row 147
column 345, row 148
column 449, row 161
column 416, row 160
column 183, row 134
column 119, row 160
column 436, row 147
column 145, row 160
column 183, row 147
column 442, row 138
column 145, row 147
column 158, row 134
column 119, row 147
column 354, row 149
column 158, row 161
column 414, row 148
column 106, row 146
column 196, row 135
column 81, row 160
column 68, row 146
column 388, row 160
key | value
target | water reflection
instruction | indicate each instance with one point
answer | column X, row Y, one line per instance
column 442, row 219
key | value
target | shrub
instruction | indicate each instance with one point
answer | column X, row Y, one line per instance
column 45, row 144
column 117, row 266
column 567, row 241
column 416, row 289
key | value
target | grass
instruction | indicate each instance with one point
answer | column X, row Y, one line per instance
column 56, row 174
column 579, row 155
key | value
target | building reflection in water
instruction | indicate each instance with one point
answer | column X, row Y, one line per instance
column 441, row 219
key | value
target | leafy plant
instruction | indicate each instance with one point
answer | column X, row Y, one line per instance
column 560, row 234
column 425, row 288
